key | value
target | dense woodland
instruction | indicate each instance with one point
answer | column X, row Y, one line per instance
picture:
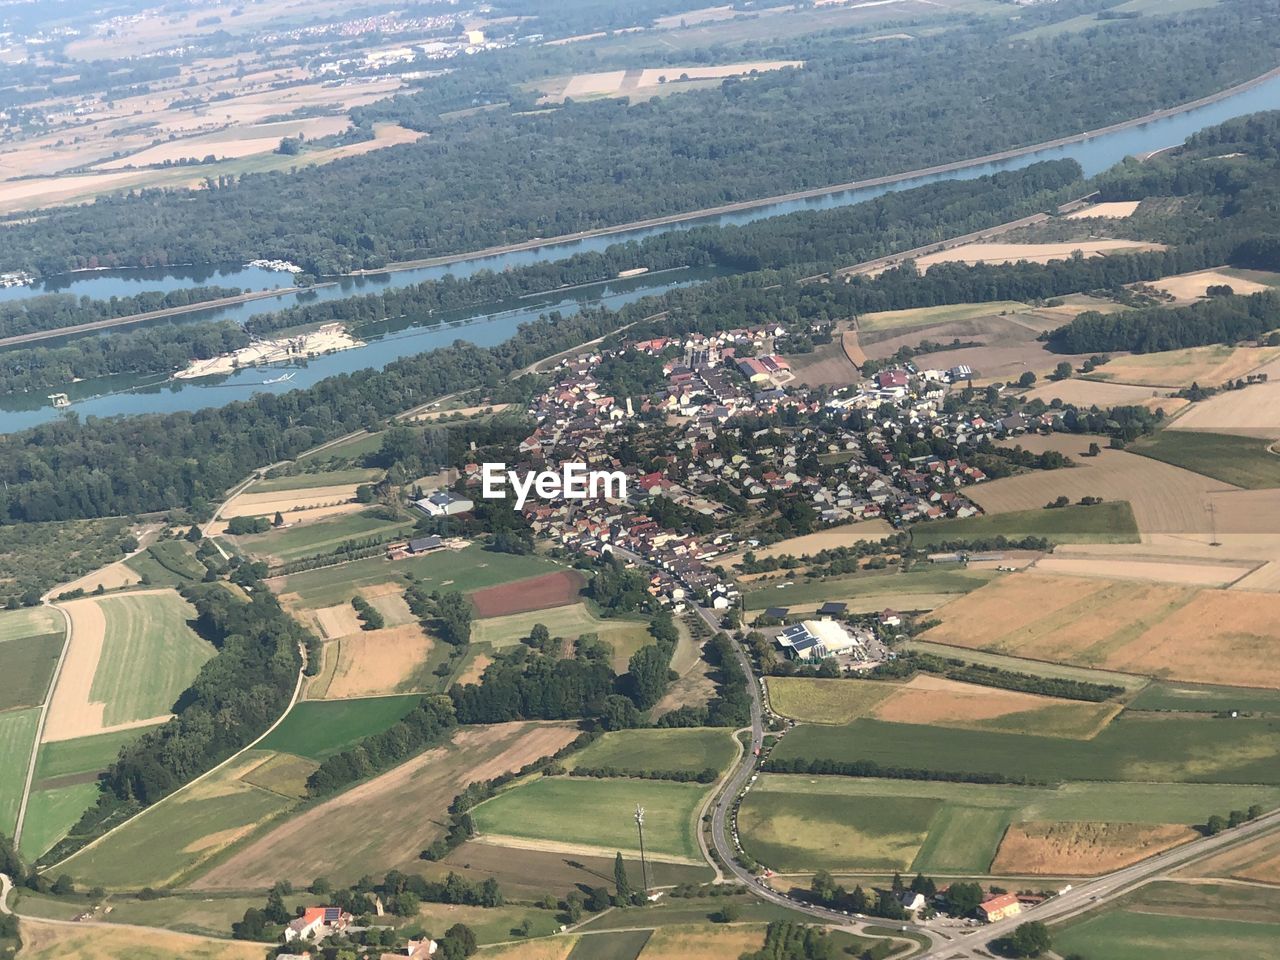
column 502, row 176
column 53, row 311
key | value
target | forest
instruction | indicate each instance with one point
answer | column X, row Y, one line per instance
column 499, row 177
column 1229, row 320
column 53, row 311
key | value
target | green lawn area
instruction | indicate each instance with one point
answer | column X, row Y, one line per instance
column 1111, row 522
column 490, row 924
column 1243, row 461
column 1143, row 747
column 624, row 635
column 318, row 728
column 169, row 562
column 149, row 655
column 348, row 449
column 17, row 733
column 169, row 840
column 29, row 622
column 826, row 701
column 963, row 833
column 26, row 667
column 310, row 539
column 1205, row 698
column 903, row 320
column 1131, row 935
column 691, row 749
column 598, row 813
column 52, row 813
column 305, row 481
column 1038, row 668
column 82, row 755
column 464, row 570
column 925, row 580
column 807, row 831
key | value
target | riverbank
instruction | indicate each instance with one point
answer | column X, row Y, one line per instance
column 742, row 206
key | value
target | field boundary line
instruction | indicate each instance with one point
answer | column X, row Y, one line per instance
column 293, row 701
column 44, row 714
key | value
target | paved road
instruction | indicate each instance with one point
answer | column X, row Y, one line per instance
column 1083, row 896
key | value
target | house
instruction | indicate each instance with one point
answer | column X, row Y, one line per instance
column 912, row 901
column 316, row 923
column 890, row 618
column 414, row 949
column 1000, row 907
column 832, row 608
column 425, row 545
column 444, row 503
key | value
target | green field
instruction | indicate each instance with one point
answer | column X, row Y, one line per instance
column 1037, row 668
column 464, row 570
column 318, row 728
column 51, row 813
column 30, row 622
column 1111, row 522
column 17, row 734
column 169, row 562
column 691, row 749
column 305, row 481
column 969, row 820
column 903, row 320
column 1205, row 698
column 622, row 945
column 1143, row 747
column 807, row 831
column 82, row 755
column 571, row 621
column 1243, row 461
column 826, row 701
column 26, row 667
column 149, row 655
column 1131, row 935
column 348, row 449
column 598, row 813
column 926, row 580
column 310, row 539
column 489, row 924
column 169, row 840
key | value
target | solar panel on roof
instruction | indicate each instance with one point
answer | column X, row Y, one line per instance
column 332, row 914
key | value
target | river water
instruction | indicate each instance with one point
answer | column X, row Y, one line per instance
column 486, row 326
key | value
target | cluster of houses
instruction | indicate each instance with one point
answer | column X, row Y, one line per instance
column 843, row 472
column 317, row 924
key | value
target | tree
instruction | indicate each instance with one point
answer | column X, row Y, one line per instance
column 1094, row 450
column 1029, row 939
column 1027, row 379
column 619, row 713
column 621, row 882
column 64, row 885
column 598, row 899
column 963, row 898
column 279, row 520
column 728, row 913
column 1255, row 811
column 858, row 900
column 1062, row 371
column 1214, row 825
column 647, row 673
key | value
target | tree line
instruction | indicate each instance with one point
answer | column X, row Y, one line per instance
column 53, row 311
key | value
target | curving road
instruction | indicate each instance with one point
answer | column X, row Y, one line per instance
column 967, row 943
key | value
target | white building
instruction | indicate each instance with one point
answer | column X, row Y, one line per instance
column 816, row 640
column 444, row 503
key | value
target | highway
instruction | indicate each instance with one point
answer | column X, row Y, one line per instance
column 968, row 943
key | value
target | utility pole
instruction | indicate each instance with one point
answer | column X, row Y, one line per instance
column 1213, row 524
column 644, row 867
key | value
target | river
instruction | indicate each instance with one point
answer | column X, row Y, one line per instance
column 122, row 395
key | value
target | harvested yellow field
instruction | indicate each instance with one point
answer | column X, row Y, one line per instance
column 475, row 670
column 288, row 502
column 702, row 942
column 644, row 82
column 998, row 253
column 820, row 700
column 1111, row 210
column 1204, row 636
column 1192, row 286
column 547, row 948
column 1086, row 393
column 1132, row 568
column 654, row 77
column 828, row 539
column 337, row 621
column 233, row 142
column 1165, row 498
column 1083, row 848
column 378, row 662
column 111, row 577
column 938, row 701
column 108, row 941
column 1253, row 412
column 1257, row 861
column 1207, row 366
